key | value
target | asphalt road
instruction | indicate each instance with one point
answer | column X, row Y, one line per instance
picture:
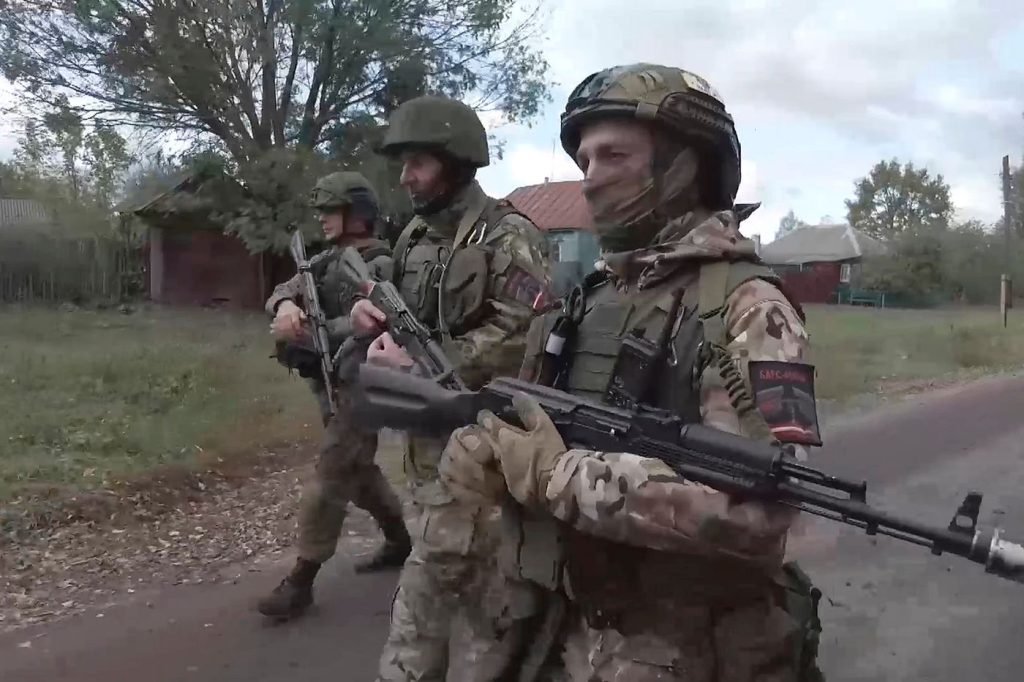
column 892, row 611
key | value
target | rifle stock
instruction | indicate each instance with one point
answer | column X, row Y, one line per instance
column 727, row 462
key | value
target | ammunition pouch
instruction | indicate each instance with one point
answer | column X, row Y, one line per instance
column 464, row 289
column 800, row 600
column 298, row 357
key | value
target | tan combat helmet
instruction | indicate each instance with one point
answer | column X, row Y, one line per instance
column 437, row 123
column 677, row 101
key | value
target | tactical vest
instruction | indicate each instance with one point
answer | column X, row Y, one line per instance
column 420, row 260
column 334, row 289
column 635, row 589
column 605, row 576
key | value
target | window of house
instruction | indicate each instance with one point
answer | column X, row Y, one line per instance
column 844, row 273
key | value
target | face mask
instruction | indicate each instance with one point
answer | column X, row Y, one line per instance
column 629, row 220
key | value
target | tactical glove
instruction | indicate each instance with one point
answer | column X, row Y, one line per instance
column 527, row 457
column 469, row 469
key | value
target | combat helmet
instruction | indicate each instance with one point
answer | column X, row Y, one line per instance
column 344, row 188
column 679, row 102
column 437, row 123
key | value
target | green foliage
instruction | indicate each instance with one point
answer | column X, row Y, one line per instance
column 259, row 78
column 106, row 154
column 960, row 264
column 78, row 187
column 896, row 199
column 277, row 191
column 912, row 269
column 80, row 252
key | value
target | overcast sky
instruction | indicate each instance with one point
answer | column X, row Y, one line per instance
column 820, row 91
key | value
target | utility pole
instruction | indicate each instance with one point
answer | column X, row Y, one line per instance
column 1005, row 283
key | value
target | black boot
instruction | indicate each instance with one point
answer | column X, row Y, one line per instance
column 393, row 553
column 294, row 594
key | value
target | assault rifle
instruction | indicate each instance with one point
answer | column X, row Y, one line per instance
column 316, row 317
column 726, row 462
column 407, row 331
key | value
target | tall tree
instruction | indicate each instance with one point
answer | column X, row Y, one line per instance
column 264, row 76
column 106, row 155
column 66, row 131
column 788, row 223
column 896, row 199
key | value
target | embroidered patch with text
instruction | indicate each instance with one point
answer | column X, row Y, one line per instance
column 524, row 288
column 784, row 395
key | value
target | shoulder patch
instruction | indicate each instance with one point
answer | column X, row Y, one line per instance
column 784, row 395
column 523, row 287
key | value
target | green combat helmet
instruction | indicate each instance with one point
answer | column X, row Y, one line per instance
column 677, row 101
column 438, row 123
column 344, row 188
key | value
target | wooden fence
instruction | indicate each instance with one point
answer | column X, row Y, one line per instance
column 41, row 267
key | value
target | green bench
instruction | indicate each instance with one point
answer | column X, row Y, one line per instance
column 861, row 297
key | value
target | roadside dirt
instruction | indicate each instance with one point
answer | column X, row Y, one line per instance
column 66, row 552
column 62, row 553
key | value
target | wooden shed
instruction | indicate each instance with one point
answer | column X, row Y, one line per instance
column 191, row 259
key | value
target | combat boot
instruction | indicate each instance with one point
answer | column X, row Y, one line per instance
column 396, row 548
column 294, row 594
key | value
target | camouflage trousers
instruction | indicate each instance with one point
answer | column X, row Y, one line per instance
column 345, row 472
column 758, row 642
column 455, row 616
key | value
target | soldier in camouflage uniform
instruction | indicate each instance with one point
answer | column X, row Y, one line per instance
column 345, row 469
column 475, row 270
column 669, row 580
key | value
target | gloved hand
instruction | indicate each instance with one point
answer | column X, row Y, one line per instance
column 527, row 457
column 469, row 469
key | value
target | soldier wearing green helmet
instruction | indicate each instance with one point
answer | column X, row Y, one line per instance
column 668, row 580
column 347, row 208
column 475, row 271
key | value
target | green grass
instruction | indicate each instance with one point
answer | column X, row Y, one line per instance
column 858, row 350
column 90, row 398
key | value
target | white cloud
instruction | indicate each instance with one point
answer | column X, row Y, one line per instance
column 527, row 164
column 820, row 91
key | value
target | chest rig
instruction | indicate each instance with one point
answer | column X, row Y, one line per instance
column 334, row 290
column 422, row 275
column 617, row 348
column 422, row 260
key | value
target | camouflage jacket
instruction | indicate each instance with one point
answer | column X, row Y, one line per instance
column 336, row 294
column 639, row 501
column 495, row 343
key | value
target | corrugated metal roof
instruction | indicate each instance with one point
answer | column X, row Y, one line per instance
column 554, row 205
column 821, row 243
column 22, row 212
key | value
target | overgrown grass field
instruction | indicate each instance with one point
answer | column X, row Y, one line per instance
column 90, row 398
column 93, row 398
column 863, row 350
